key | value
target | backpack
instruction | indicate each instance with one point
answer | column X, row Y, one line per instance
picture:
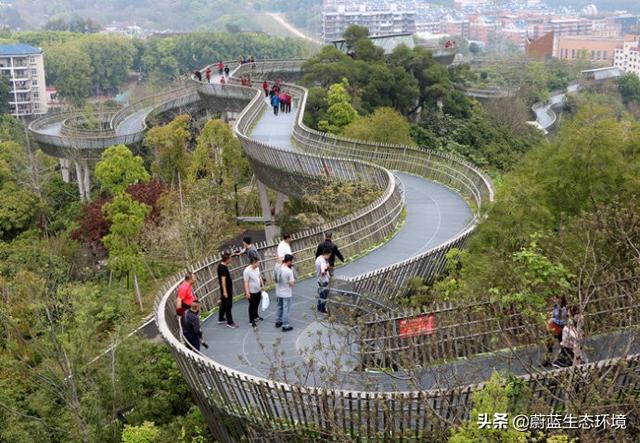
column 277, row 272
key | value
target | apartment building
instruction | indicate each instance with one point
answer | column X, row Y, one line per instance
column 560, row 27
column 595, row 49
column 379, row 23
column 23, row 66
column 627, row 58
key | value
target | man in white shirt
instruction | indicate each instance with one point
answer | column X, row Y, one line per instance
column 253, row 288
column 284, row 247
column 284, row 284
column 322, row 272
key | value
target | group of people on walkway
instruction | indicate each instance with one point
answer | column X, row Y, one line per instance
column 284, row 276
column 280, row 100
column 566, row 328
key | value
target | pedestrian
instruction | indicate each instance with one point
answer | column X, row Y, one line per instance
column 252, row 61
column 250, row 249
column 185, row 294
column 279, row 83
column 283, row 99
column 222, row 81
column 220, row 67
column 284, row 247
column 226, row 292
column 275, row 102
column 253, row 289
column 265, row 87
column 578, row 322
column 323, row 276
column 191, row 330
column 285, row 281
column 556, row 325
column 243, row 81
column 226, row 71
column 276, row 89
column 569, row 349
column 207, row 74
column 335, row 252
column 288, row 100
column 198, row 75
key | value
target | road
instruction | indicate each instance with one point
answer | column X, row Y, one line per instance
column 292, row 29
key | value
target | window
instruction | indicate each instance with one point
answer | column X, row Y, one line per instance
column 599, row 55
column 34, row 72
column 593, row 54
column 573, row 53
column 32, row 60
column 35, row 96
column 34, row 82
column 605, row 55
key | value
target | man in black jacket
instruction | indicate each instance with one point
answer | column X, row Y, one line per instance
column 335, row 252
column 191, row 326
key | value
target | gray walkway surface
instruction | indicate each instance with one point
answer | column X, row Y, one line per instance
column 542, row 114
column 434, row 215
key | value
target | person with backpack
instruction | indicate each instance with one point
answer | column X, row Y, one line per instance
column 198, row 75
column 275, row 102
column 556, row 324
column 191, row 330
column 285, row 280
column 322, row 274
column 226, row 71
column 220, row 67
column 335, row 252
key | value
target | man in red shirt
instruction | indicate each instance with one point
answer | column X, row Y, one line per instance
column 185, row 294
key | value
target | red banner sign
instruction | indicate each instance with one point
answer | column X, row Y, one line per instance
column 421, row 325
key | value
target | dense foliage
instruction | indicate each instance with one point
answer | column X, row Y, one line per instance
column 68, row 274
column 79, row 65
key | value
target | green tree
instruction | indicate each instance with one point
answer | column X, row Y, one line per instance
column 127, row 218
column 499, row 396
column 69, row 70
column 219, row 156
column 145, row 433
column 340, row 112
column 169, row 144
column 111, row 58
column 119, row 168
column 629, row 87
column 355, row 33
column 385, row 125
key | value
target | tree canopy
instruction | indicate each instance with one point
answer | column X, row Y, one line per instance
column 119, row 168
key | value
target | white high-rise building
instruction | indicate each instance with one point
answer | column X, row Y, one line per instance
column 23, row 66
column 627, row 58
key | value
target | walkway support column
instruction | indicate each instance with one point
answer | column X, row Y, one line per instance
column 83, row 177
column 64, row 169
column 281, row 199
column 270, row 230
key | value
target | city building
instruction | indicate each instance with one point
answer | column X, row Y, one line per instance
column 23, row 66
column 382, row 22
column 559, row 27
column 627, row 58
column 595, row 49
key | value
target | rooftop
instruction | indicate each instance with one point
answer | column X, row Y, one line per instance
column 19, row 49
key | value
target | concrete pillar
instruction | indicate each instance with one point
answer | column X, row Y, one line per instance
column 86, row 178
column 281, row 199
column 270, row 230
column 64, row 169
column 80, row 180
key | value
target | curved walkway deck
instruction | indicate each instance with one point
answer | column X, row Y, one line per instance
column 434, row 215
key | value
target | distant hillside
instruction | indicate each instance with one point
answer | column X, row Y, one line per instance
column 177, row 15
